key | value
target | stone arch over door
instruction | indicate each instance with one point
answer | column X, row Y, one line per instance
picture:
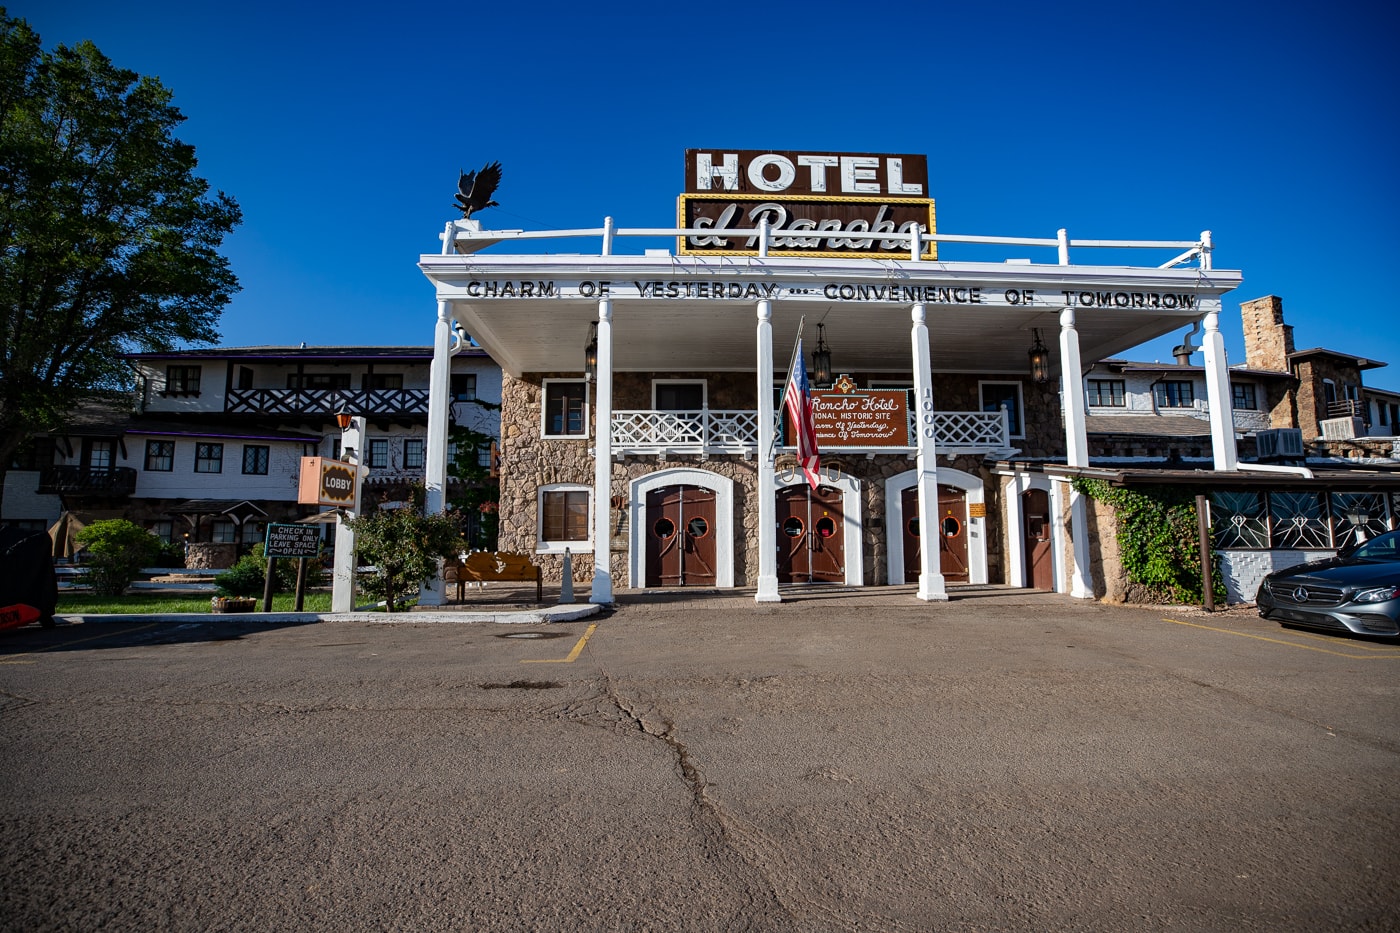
column 850, row 505
column 721, row 486
column 971, row 484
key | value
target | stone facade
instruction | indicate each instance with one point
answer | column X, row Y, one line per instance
column 529, row 462
column 1267, row 344
column 1314, row 373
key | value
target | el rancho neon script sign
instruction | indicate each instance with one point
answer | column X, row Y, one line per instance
column 816, row 204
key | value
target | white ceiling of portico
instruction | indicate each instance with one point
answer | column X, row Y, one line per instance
column 708, row 334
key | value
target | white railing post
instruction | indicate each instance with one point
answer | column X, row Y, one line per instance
column 608, row 231
column 763, row 237
column 916, row 243
column 1062, row 237
column 1206, row 247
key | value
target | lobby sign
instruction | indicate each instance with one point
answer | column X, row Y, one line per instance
column 847, row 416
column 326, row 482
column 817, row 204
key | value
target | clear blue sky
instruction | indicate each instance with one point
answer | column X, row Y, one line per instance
column 340, row 130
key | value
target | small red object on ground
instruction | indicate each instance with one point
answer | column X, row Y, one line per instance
column 17, row 615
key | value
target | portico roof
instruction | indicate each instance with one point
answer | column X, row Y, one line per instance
column 532, row 313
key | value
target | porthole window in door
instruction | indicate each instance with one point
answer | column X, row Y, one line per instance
column 826, row 527
column 913, row 526
column 664, row 528
column 950, row 526
column 793, row 527
column 697, row 527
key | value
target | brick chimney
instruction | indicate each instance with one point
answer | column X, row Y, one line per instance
column 1267, row 340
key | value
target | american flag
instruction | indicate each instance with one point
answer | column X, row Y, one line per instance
column 798, row 398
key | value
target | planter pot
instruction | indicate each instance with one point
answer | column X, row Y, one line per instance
column 233, row 604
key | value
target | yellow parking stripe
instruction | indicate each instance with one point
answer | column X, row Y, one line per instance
column 1387, row 653
column 573, row 655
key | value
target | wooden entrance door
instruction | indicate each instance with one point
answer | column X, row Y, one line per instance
column 1035, row 517
column 680, row 533
column 952, row 538
column 811, row 535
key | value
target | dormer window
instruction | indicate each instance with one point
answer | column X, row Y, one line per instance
column 181, row 381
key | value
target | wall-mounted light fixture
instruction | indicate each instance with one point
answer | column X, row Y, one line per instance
column 1040, row 359
column 343, row 417
column 590, row 352
column 821, row 359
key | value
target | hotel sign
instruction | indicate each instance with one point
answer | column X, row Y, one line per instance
column 846, row 416
column 817, row 204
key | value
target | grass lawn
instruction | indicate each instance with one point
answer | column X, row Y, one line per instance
column 146, row 603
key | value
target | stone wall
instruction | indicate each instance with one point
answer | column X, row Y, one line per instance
column 529, row 462
column 1267, row 340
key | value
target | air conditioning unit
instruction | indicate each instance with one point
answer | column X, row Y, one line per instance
column 1343, row 429
column 1279, row 443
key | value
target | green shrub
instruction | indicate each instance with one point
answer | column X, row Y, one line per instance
column 118, row 550
column 248, row 577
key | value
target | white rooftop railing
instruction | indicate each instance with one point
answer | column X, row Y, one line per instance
column 764, row 236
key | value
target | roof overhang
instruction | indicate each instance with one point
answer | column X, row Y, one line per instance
column 532, row 313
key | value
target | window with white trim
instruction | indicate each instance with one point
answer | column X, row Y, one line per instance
column 208, row 458
column 565, row 408
column 1174, row 393
column 1106, row 393
column 678, row 394
column 378, row 453
column 413, row 458
column 564, row 513
column 995, row 396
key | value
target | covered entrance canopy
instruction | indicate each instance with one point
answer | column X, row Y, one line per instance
column 661, row 313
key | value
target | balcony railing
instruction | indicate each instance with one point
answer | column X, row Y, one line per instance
column 87, row 481
column 326, row 402
column 709, row 431
column 1346, row 408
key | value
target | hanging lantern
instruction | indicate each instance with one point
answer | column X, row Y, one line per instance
column 1040, row 359
column 821, row 359
column 590, row 351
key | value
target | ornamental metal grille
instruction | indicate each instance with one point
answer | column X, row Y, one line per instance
column 1372, row 504
column 1298, row 520
column 1240, row 520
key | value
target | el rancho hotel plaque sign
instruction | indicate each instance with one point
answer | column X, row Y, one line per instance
column 816, row 204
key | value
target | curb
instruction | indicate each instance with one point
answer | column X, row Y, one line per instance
column 522, row 617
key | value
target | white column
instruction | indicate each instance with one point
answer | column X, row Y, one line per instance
column 1077, row 446
column 1219, row 397
column 767, row 481
column 439, row 415
column 931, row 583
column 346, row 560
column 602, row 460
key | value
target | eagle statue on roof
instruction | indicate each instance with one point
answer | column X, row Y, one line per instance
column 474, row 189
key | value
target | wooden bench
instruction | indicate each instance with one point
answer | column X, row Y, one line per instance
column 484, row 567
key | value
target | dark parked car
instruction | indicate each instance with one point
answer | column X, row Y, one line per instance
column 1356, row 591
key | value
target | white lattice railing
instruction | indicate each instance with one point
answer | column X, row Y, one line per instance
column 706, row 430
column 713, row 431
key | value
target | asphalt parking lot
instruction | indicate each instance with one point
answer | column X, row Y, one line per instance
column 840, row 761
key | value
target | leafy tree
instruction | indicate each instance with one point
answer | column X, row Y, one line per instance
column 107, row 237
column 118, row 549
column 404, row 546
column 477, row 492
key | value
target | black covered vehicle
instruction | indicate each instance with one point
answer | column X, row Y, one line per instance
column 26, row 571
column 1357, row 591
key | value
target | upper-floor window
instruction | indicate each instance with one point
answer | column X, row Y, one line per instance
column 1174, row 394
column 255, row 459
column 378, row 452
column 160, row 456
column 678, row 395
column 996, row 396
column 1107, row 393
column 208, row 458
column 383, row 380
column 181, row 380
column 565, row 407
column 318, row 380
column 1242, row 397
column 413, row 458
column 464, row 387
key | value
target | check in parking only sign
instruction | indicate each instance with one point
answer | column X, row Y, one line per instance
column 293, row 540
